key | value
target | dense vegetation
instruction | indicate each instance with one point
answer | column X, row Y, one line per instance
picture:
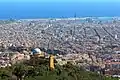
column 40, row 71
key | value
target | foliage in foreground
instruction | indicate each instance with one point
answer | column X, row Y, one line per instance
column 40, row 71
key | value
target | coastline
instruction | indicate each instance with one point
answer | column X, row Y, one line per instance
column 67, row 18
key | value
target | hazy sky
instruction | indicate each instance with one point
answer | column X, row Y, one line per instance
column 59, row 0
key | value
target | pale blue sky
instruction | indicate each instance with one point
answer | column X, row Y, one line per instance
column 59, row 0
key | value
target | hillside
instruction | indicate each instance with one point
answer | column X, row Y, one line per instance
column 40, row 71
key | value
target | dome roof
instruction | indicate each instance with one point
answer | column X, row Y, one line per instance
column 36, row 51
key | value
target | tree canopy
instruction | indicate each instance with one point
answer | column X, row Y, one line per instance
column 24, row 71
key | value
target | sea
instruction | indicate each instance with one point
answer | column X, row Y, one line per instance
column 33, row 10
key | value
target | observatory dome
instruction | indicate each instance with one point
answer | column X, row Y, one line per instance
column 36, row 51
